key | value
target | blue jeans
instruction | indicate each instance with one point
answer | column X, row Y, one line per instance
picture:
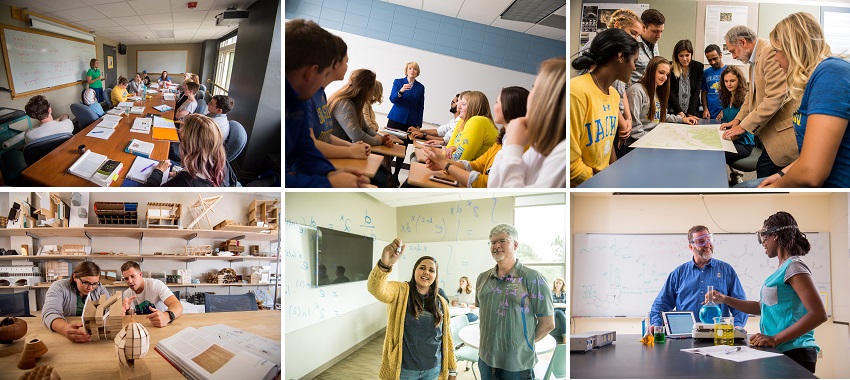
column 490, row 373
column 99, row 93
column 409, row 374
column 751, row 184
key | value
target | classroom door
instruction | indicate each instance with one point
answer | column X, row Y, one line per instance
column 109, row 66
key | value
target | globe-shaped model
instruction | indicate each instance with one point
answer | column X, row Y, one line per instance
column 132, row 343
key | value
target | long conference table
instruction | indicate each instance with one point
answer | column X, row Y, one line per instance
column 97, row 360
column 51, row 170
column 629, row 358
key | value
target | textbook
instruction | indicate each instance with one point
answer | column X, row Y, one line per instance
column 140, row 148
column 141, row 125
column 142, row 168
column 109, row 121
column 221, row 352
column 97, row 168
column 163, row 107
column 125, row 104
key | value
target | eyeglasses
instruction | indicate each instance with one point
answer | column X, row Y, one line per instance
column 89, row 284
column 762, row 233
column 702, row 240
column 500, row 241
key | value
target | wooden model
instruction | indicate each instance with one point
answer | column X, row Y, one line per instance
column 131, row 345
column 117, row 213
column 42, row 372
column 102, row 318
column 263, row 213
column 226, row 276
column 32, row 351
column 12, row 329
column 200, row 209
column 199, row 250
column 232, row 246
column 74, row 249
column 55, row 270
column 163, row 215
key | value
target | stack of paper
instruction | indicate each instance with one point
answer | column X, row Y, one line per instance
column 140, row 148
column 109, row 121
column 164, row 129
column 134, row 98
column 168, row 96
column 101, row 133
column 115, row 111
column 138, row 110
column 125, row 104
column 141, row 125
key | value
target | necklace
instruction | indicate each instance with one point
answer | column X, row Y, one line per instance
column 597, row 84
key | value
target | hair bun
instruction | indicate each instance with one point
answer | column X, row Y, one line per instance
column 590, row 55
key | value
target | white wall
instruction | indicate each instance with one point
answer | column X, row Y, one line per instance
column 605, row 213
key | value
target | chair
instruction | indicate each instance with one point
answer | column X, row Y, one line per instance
column 236, row 140
column 15, row 304
column 464, row 352
column 557, row 367
column 748, row 164
column 107, row 94
column 84, row 115
column 201, row 94
column 202, row 107
column 39, row 148
column 241, row 302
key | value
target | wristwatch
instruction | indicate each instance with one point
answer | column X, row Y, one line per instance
column 170, row 315
column 446, row 169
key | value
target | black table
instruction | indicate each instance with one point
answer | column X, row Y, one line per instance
column 628, row 358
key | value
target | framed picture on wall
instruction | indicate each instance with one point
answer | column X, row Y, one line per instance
column 109, row 62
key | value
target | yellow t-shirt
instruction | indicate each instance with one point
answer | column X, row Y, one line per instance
column 593, row 128
column 478, row 134
column 119, row 95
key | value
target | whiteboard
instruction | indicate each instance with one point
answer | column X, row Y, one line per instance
column 620, row 275
column 157, row 61
column 305, row 304
column 454, row 260
column 38, row 61
column 443, row 76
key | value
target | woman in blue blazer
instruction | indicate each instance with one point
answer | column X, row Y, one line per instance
column 408, row 98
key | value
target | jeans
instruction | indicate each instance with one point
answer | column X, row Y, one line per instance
column 490, row 373
column 409, row 374
column 750, row 184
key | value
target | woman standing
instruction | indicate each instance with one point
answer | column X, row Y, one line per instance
column 418, row 342
column 95, row 78
column 408, row 98
column 790, row 305
column 686, row 81
column 66, row 298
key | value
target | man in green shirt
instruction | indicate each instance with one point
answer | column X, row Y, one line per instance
column 94, row 78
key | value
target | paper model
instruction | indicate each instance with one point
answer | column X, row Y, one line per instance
column 131, row 345
column 102, row 318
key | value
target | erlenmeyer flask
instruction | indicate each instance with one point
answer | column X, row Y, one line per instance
column 709, row 310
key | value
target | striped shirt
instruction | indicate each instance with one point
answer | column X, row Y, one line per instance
column 506, row 305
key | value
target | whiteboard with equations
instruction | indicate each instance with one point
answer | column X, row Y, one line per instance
column 157, row 61
column 38, row 61
column 305, row 304
column 621, row 274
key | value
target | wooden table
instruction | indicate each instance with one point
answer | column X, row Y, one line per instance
column 51, row 169
column 97, row 360
column 369, row 166
column 419, row 174
column 398, row 150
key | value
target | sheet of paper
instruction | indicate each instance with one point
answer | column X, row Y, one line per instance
column 686, row 137
column 141, row 125
column 138, row 110
column 106, row 123
column 101, row 133
column 263, row 347
column 134, row 98
column 115, row 111
column 734, row 354
column 168, row 96
column 125, row 104
column 163, row 122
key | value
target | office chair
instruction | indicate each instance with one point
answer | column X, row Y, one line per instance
column 201, row 94
column 107, row 94
column 241, row 302
column 202, row 107
column 39, row 148
column 746, row 164
column 236, row 140
column 203, row 88
column 556, row 367
column 84, row 116
column 464, row 353
column 15, row 304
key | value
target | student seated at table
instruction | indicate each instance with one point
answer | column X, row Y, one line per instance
column 191, row 104
column 510, row 104
column 475, row 131
column 149, row 296
column 443, row 133
column 368, row 112
column 733, row 90
column 89, row 98
column 119, row 93
column 164, row 79
column 559, row 300
column 218, row 108
column 39, row 109
column 466, row 297
column 146, row 78
column 648, row 100
column 542, row 165
column 65, row 299
column 136, row 86
column 203, row 159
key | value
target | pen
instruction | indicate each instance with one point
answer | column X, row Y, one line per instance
column 731, row 350
column 97, row 132
column 148, row 167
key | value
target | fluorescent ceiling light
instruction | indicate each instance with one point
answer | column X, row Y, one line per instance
column 53, row 27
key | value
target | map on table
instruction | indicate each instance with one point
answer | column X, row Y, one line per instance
column 684, row 136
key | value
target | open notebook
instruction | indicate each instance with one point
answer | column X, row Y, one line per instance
column 142, row 168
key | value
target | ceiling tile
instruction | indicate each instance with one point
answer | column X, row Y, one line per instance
column 416, row 4
column 101, row 23
column 483, row 11
column 181, row 5
column 187, row 33
column 112, row 29
column 187, row 25
column 239, row 4
column 147, row 7
column 545, row 31
column 84, row 13
column 131, row 20
column 100, row 2
column 168, row 26
column 116, row 10
column 159, row 18
column 64, row 16
column 189, row 16
column 137, row 28
column 516, row 26
column 562, row 11
column 443, row 7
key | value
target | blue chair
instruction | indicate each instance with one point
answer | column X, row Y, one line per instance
column 15, row 304
column 241, row 302
column 203, row 88
column 39, row 148
column 85, row 115
column 557, row 367
column 464, row 352
column 108, row 95
column 236, row 140
column 201, row 94
column 202, row 107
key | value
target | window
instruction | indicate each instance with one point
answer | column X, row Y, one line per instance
column 224, row 66
column 541, row 223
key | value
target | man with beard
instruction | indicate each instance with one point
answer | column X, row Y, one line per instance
column 149, row 296
column 444, row 132
column 686, row 285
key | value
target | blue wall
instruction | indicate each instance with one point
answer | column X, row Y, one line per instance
column 430, row 32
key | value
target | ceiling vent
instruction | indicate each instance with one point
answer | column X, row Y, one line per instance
column 533, row 10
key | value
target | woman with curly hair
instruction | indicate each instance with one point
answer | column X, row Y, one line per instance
column 732, row 94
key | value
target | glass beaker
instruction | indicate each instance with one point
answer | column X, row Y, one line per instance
column 660, row 335
column 709, row 310
column 724, row 332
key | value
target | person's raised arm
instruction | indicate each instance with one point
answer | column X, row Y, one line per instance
column 377, row 284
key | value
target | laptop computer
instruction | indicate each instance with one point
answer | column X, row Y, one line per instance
column 679, row 324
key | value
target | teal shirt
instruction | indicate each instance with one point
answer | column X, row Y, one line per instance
column 95, row 73
column 729, row 114
column 781, row 307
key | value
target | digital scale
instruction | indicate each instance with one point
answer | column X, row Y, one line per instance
column 706, row 331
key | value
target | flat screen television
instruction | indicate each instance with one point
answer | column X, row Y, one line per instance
column 342, row 257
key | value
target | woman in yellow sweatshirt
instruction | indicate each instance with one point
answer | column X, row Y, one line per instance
column 475, row 131
column 511, row 104
column 418, row 342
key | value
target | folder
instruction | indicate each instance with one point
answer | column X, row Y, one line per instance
column 167, row 134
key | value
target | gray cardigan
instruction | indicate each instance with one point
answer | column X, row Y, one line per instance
column 61, row 301
column 639, row 104
column 350, row 125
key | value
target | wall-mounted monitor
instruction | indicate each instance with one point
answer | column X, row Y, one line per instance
column 342, row 257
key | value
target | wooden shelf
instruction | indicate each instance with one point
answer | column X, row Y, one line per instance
column 134, row 233
column 14, row 257
column 15, row 287
column 57, row 257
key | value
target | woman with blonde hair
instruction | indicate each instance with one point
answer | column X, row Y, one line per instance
column 368, row 112
column 203, row 158
column 559, row 299
column 475, row 132
column 822, row 83
column 408, row 98
column 543, row 165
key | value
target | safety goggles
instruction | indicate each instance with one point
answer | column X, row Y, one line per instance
column 762, row 233
column 702, row 240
